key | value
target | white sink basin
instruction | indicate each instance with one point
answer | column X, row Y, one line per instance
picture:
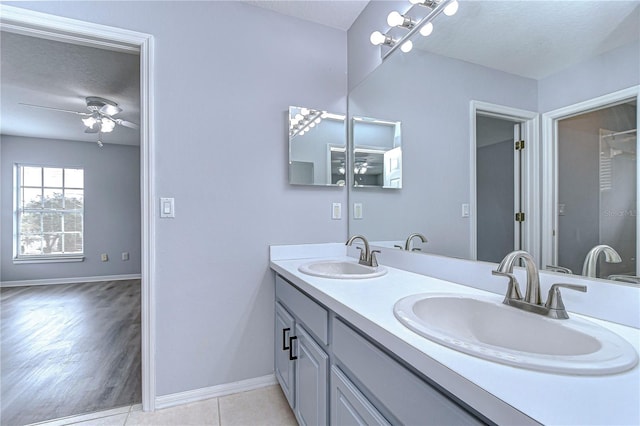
column 484, row 327
column 340, row 269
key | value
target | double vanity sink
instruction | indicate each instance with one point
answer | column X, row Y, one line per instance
column 485, row 327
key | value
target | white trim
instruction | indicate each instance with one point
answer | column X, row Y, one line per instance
column 107, row 37
column 550, row 119
column 51, row 259
column 530, row 121
column 72, row 280
column 180, row 398
column 86, row 417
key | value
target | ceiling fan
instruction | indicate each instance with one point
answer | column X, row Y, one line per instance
column 100, row 118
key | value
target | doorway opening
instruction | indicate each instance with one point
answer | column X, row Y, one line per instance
column 51, row 27
column 504, row 145
column 592, row 187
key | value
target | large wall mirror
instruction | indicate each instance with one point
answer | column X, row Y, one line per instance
column 529, row 56
column 317, row 147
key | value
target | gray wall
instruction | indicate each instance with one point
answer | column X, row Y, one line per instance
column 598, row 76
column 214, row 290
column 112, row 205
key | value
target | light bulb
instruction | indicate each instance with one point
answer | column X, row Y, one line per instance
column 304, row 111
column 312, row 124
column 451, row 8
column 89, row 121
column 407, row 46
column 395, row 19
column 298, row 117
column 415, row 1
column 427, row 29
column 377, row 38
column 107, row 125
column 318, row 120
column 301, row 133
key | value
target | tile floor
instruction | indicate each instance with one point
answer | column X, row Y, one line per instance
column 264, row 406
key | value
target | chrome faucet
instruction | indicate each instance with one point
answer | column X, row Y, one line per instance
column 407, row 244
column 367, row 257
column 591, row 260
column 553, row 308
column 532, row 294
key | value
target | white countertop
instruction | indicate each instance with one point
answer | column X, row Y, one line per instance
column 505, row 394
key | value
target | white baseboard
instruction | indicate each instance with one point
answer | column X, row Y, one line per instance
column 53, row 281
column 179, row 398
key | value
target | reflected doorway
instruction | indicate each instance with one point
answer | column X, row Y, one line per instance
column 597, row 189
column 498, row 187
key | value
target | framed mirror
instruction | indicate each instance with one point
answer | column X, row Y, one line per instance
column 557, row 54
column 317, row 147
column 377, row 153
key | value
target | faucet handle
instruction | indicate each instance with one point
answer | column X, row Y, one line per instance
column 513, row 289
column 374, row 261
column 397, row 246
column 363, row 256
column 554, row 299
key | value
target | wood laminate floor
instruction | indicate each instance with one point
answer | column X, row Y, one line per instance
column 68, row 349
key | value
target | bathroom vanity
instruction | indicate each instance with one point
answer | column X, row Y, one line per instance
column 342, row 357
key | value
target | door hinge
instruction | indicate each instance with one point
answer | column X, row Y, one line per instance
column 519, row 145
column 520, row 217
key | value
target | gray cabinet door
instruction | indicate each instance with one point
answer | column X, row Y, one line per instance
column 348, row 405
column 311, row 380
column 285, row 368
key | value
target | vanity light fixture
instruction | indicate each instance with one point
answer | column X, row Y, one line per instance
column 424, row 26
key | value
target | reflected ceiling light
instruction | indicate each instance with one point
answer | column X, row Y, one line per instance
column 395, row 19
column 89, row 121
column 427, row 29
column 451, row 8
column 407, row 46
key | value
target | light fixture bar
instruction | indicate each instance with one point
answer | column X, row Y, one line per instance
column 437, row 10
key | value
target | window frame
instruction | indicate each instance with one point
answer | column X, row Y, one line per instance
column 19, row 258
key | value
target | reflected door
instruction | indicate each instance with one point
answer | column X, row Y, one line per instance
column 499, row 187
column 597, row 188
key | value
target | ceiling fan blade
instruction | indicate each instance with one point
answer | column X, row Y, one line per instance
column 126, row 123
column 109, row 109
column 56, row 109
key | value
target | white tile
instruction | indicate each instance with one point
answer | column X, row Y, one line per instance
column 265, row 406
column 117, row 420
column 197, row 413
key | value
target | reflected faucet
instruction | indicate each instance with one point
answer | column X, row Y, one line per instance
column 367, row 257
column 553, row 308
column 407, row 244
column 591, row 260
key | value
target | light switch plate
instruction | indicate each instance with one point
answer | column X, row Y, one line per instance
column 336, row 211
column 167, row 207
column 465, row 209
column 357, row 210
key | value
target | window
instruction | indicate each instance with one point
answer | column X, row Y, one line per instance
column 49, row 213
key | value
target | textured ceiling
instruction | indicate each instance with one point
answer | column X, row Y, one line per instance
column 533, row 38
column 338, row 14
column 60, row 75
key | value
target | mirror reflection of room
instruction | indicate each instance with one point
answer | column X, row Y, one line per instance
column 377, row 153
column 317, row 147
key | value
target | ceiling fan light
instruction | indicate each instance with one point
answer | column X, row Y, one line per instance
column 107, row 125
column 110, row 109
column 89, row 121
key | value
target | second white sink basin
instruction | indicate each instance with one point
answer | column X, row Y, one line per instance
column 340, row 269
column 484, row 327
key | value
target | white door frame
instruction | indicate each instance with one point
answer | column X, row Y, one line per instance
column 550, row 165
column 73, row 31
column 530, row 122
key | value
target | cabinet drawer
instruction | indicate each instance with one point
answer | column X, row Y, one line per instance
column 349, row 406
column 410, row 399
column 314, row 316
